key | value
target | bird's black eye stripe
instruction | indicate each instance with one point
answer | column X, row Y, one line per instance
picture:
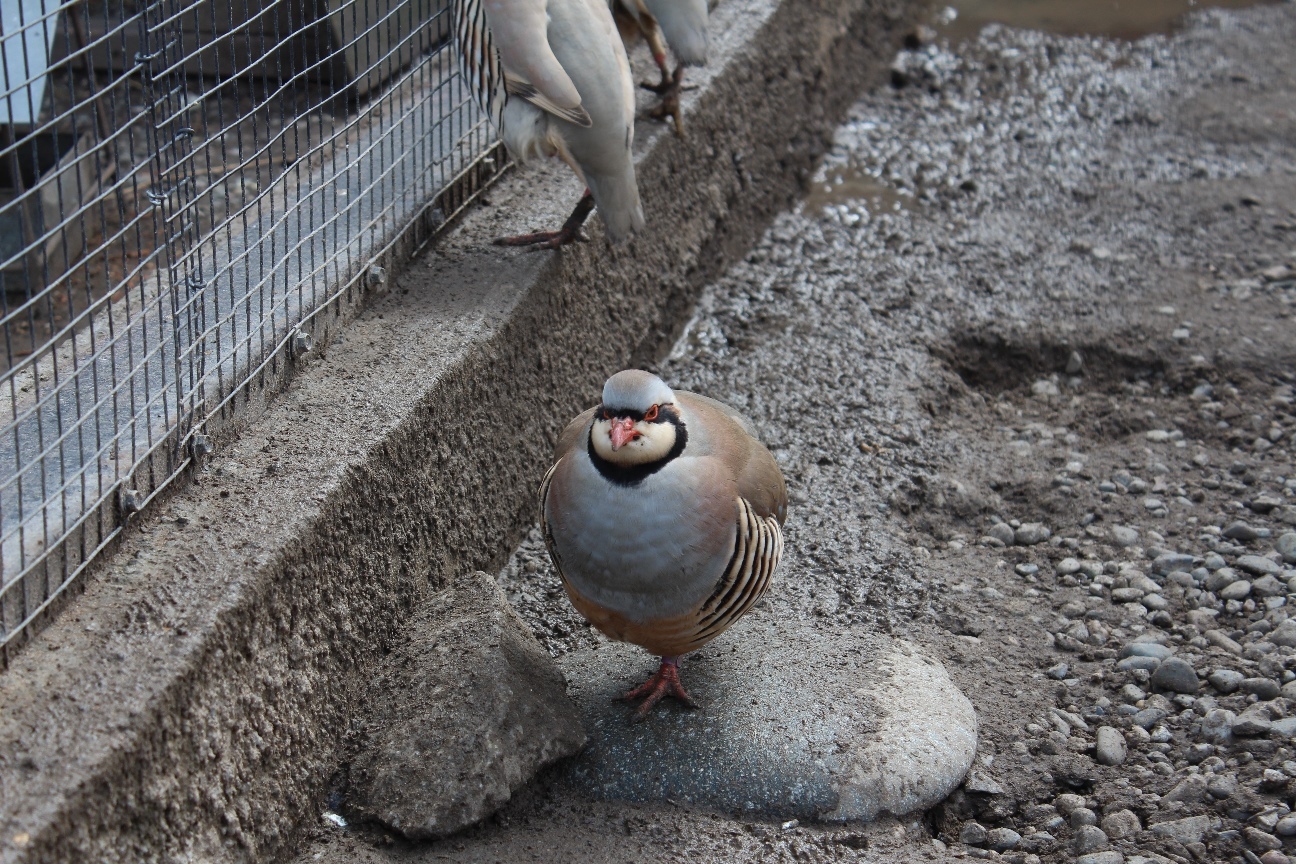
column 665, row 414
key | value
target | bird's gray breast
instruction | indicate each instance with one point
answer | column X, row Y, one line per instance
column 648, row 551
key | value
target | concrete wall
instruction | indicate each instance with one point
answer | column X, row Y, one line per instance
column 190, row 705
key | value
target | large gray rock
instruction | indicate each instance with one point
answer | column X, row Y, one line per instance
column 793, row 723
column 473, row 707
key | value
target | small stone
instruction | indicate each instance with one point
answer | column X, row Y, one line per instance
column 1221, row 787
column 1153, row 504
column 1268, row 586
column 1058, row 672
column 1149, row 717
column 1251, row 722
column 1189, row 830
column 1066, row 803
column 1121, row 824
column 1217, row 725
column 1110, row 748
column 1263, row 688
column 1126, row 595
column 1031, row 533
column 1259, row 840
column 973, row 834
column 1284, row 634
column 1240, row 530
column 1169, row 562
column 1225, row 680
column 1146, row 649
column 1264, row 503
column 1258, row 565
column 1002, row 839
column 1071, row 566
column 1238, row 590
column 1002, row 532
column 1220, row 639
column 1089, row 838
column 1286, row 727
column 1175, row 675
column 1123, row 536
column 977, row 780
column 1129, row 664
column 1082, row 816
column 1155, row 603
column 1111, row 856
column 1075, row 363
column 1273, row 780
column 1045, row 389
column 1189, row 790
column 1286, row 826
column 1273, row 856
column 1286, row 547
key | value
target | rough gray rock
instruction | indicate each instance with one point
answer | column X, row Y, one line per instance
column 1111, row 856
column 871, row 727
column 1124, row 536
column 1286, row 547
column 1175, row 675
column 1031, row 534
column 1089, row 838
column 1226, row 680
column 1110, row 747
column 1258, row 565
column 1285, row 634
column 473, row 707
column 1189, row 830
column 1121, row 824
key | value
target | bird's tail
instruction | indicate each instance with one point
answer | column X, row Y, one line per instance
column 616, row 195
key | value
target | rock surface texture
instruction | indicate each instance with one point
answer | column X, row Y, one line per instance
column 467, row 710
column 793, row 724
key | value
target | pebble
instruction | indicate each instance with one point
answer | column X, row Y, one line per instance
column 1110, row 748
column 1286, row 826
column 1238, row 590
column 1058, row 672
column 1168, row 562
column 1111, row 856
column 1089, row 838
column 1071, row 566
column 1264, row 688
column 1149, row 717
column 1259, row 840
column 1002, row 532
column 1286, row 727
column 1175, row 675
column 1068, row 802
column 1284, row 634
column 1146, row 649
column 1129, row 664
column 1126, row 595
column 1121, row 824
column 1286, row 547
column 1220, row 639
column 1026, row 569
column 1268, row 586
column 1222, row 787
column 1031, row 533
column 1258, row 565
column 973, row 834
column 1082, row 816
column 1253, row 721
column 1002, row 839
column 1153, row 503
column 1217, row 725
column 1189, row 830
column 1123, row 536
column 1273, row 856
column 1225, row 680
column 1240, row 530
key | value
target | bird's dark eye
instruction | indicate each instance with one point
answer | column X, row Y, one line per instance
column 651, row 414
column 605, row 414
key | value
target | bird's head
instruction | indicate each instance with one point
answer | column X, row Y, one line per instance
column 638, row 422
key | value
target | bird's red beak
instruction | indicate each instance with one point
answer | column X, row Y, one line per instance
column 622, row 433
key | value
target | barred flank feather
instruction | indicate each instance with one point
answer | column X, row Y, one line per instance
column 480, row 60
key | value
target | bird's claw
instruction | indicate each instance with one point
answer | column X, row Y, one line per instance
column 664, row 682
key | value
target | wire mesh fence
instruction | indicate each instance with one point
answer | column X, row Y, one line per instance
column 186, row 188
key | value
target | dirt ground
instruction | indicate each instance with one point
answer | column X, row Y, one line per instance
column 1040, row 281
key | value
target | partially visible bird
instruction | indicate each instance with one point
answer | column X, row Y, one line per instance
column 663, row 517
column 684, row 23
column 555, row 81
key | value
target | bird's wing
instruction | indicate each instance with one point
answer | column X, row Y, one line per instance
column 479, row 58
column 731, row 437
column 520, row 29
column 684, row 24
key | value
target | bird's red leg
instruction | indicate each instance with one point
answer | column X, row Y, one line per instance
column 568, row 233
column 665, row 682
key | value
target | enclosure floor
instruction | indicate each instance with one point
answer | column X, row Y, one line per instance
column 904, row 353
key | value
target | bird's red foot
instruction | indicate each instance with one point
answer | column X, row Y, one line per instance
column 665, row 682
column 570, row 232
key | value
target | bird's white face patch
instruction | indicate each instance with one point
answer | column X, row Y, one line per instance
column 648, row 443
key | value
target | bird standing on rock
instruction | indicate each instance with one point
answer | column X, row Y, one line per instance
column 663, row 517
column 554, row 79
column 684, row 23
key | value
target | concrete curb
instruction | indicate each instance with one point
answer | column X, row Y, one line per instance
column 192, row 703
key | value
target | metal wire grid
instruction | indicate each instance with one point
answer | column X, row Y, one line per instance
column 191, row 183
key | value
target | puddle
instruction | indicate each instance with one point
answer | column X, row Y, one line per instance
column 1120, row 19
column 848, row 184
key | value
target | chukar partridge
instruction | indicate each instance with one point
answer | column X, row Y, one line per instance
column 554, row 79
column 663, row 516
column 684, row 24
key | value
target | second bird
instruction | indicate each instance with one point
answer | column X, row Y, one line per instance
column 554, row 79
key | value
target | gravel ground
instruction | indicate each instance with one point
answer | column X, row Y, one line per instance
column 1033, row 394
